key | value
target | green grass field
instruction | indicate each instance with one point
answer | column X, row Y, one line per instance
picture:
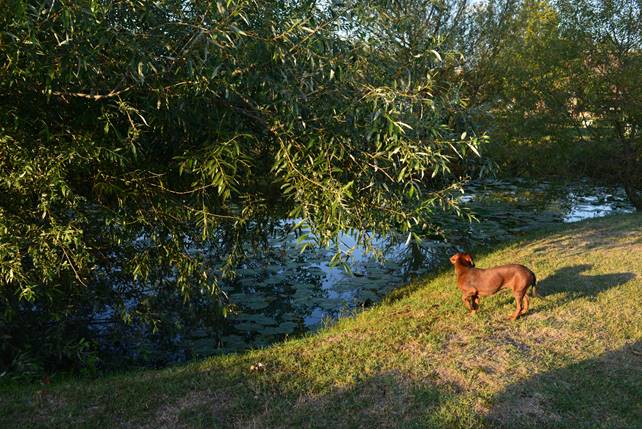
column 415, row 360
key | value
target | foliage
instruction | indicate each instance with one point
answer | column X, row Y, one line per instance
column 563, row 76
column 605, row 80
column 147, row 146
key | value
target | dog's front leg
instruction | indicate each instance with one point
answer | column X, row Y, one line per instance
column 468, row 299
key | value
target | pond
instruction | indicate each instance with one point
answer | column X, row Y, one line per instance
column 289, row 292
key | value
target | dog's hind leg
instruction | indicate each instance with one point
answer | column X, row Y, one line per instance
column 525, row 304
column 518, row 304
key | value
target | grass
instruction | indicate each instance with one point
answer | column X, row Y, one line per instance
column 415, row 360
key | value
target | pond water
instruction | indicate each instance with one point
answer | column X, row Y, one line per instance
column 288, row 292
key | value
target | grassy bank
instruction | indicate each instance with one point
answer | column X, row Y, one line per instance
column 416, row 360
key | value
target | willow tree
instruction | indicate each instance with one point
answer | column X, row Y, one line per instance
column 146, row 146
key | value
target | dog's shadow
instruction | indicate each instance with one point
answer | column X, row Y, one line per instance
column 571, row 282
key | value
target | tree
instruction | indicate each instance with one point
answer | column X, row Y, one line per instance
column 605, row 78
column 147, row 146
column 557, row 85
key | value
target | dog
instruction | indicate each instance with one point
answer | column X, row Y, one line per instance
column 475, row 282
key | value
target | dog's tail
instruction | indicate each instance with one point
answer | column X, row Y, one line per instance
column 533, row 291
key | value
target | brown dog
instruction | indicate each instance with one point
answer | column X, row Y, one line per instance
column 475, row 282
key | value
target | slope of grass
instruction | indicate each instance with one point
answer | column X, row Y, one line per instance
column 416, row 360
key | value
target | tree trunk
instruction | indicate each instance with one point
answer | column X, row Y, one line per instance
column 634, row 195
column 631, row 174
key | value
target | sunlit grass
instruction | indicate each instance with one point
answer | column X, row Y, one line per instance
column 416, row 360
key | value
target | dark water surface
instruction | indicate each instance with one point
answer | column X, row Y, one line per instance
column 288, row 292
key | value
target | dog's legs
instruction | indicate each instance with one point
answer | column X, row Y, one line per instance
column 525, row 302
column 518, row 303
column 466, row 299
column 476, row 302
column 468, row 302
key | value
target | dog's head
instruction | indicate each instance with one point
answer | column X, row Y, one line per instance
column 465, row 259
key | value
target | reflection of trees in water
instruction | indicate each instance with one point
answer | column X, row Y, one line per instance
column 418, row 258
column 507, row 209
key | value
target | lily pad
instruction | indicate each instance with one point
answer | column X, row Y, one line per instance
column 259, row 319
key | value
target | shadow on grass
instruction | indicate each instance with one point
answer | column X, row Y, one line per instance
column 605, row 392
column 571, row 282
column 384, row 400
column 224, row 396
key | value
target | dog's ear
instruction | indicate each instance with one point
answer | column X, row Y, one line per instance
column 453, row 258
column 469, row 259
